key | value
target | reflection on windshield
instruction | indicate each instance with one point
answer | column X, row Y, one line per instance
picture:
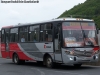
column 73, row 38
column 90, row 37
column 89, row 31
column 79, row 34
column 76, row 35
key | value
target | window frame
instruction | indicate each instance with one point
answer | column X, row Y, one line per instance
column 19, row 40
column 46, row 30
column 14, row 33
column 32, row 31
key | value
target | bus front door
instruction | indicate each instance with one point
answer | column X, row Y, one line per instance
column 7, row 43
column 57, row 44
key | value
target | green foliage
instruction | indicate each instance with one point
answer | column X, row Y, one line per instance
column 89, row 9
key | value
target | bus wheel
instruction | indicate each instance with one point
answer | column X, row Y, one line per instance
column 16, row 60
column 77, row 65
column 49, row 62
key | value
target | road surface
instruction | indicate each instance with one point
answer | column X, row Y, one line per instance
column 30, row 68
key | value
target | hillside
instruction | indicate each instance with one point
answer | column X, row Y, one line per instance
column 89, row 9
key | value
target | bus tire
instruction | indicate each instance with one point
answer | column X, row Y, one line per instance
column 77, row 65
column 49, row 62
column 16, row 59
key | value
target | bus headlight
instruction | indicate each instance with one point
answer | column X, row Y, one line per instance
column 96, row 52
column 71, row 58
column 69, row 52
column 96, row 57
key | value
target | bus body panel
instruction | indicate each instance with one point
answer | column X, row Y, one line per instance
column 28, row 51
column 83, row 55
column 36, row 50
column 3, row 50
column 13, row 48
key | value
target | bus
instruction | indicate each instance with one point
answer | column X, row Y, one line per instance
column 70, row 41
column 0, row 43
column 0, row 37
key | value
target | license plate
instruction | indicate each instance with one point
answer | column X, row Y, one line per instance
column 85, row 58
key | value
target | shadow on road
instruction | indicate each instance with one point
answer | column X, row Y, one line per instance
column 58, row 67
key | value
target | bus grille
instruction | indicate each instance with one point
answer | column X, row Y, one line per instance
column 83, row 53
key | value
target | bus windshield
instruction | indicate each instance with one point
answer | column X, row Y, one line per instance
column 77, row 34
column 89, row 32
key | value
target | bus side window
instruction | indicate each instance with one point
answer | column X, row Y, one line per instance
column 14, row 35
column 34, row 33
column 23, row 38
column 23, row 34
column 46, row 32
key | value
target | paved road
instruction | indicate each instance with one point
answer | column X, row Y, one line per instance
column 8, row 68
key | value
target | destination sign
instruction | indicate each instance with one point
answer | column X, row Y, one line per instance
column 74, row 24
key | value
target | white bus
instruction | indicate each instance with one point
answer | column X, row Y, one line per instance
column 69, row 41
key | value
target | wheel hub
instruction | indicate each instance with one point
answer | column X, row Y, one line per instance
column 15, row 59
column 49, row 61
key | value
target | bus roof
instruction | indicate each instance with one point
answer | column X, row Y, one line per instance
column 53, row 20
column 7, row 26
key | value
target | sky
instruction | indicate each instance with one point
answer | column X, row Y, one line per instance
column 14, row 13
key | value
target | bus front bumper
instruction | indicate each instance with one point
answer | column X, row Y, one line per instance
column 79, row 59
